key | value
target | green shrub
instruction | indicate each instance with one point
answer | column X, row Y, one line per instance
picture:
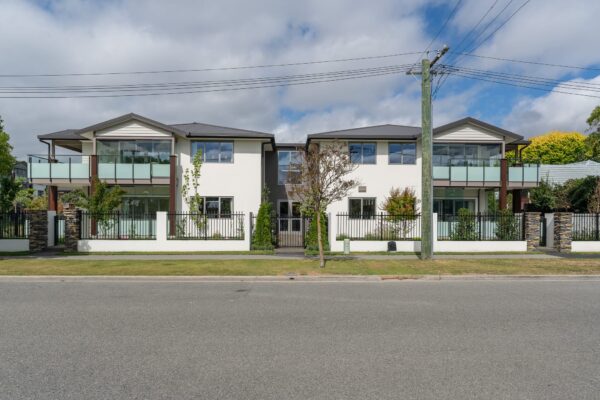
column 508, row 226
column 263, row 239
column 311, row 236
column 465, row 228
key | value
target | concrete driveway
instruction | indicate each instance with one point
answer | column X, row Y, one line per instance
column 300, row 340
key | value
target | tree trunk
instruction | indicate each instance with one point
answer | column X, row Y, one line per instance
column 319, row 239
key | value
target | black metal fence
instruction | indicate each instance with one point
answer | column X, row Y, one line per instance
column 379, row 227
column 14, row 225
column 194, row 226
column 118, row 226
column 477, row 226
column 586, row 227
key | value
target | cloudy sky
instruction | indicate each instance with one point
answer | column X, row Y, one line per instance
column 69, row 36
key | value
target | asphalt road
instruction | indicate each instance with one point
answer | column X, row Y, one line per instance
column 370, row 340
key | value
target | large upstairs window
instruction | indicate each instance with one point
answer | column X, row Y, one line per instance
column 214, row 152
column 402, row 153
column 466, row 154
column 288, row 166
column 362, row 153
column 133, row 151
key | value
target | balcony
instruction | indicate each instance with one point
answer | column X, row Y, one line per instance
column 77, row 169
column 484, row 173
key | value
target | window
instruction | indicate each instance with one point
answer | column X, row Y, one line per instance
column 133, row 151
column 217, row 207
column 362, row 207
column 362, row 153
column 288, row 166
column 461, row 154
column 402, row 153
column 451, row 206
column 214, row 152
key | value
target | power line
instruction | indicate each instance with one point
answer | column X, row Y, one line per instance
column 210, row 69
column 237, row 88
column 476, row 25
column 144, row 86
column 485, row 79
column 531, row 62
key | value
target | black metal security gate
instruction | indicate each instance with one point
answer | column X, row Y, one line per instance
column 290, row 231
column 59, row 229
column 543, row 231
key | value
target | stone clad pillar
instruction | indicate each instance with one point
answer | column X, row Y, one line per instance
column 38, row 230
column 532, row 229
column 72, row 227
column 563, row 231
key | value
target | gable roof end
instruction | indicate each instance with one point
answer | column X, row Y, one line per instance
column 131, row 117
column 481, row 124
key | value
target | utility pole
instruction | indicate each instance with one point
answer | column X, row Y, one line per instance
column 426, row 151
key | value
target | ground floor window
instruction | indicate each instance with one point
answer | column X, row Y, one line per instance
column 144, row 199
column 363, row 207
column 451, row 206
column 217, row 206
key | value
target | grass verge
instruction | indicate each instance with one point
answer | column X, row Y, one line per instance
column 300, row 267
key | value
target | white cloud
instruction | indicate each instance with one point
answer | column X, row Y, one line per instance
column 554, row 111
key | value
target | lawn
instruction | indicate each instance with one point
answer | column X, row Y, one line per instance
column 300, row 267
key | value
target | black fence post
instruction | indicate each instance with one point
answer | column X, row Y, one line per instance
column 479, row 222
column 597, row 227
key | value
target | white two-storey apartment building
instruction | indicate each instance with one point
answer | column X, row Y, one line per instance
column 148, row 158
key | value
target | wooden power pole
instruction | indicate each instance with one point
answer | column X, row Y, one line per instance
column 426, row 159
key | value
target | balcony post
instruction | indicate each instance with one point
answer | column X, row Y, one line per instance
column 503, row 183
column 172, row 192
column 52, row 198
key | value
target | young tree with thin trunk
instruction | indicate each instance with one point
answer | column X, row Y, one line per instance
column 322, row 180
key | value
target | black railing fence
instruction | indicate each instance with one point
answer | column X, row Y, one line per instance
column 14, row 225
column 378, row 227
column 586, row 227
column 196, row 226
column 118, row 226
column 478, row 226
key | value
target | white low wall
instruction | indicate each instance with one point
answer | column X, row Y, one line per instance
column 161, row 244
column 14, row 245
column 487, row 246
column 377, row 245
column 585, row 246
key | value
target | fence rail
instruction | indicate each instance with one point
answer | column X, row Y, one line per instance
column 379, row 227
column 118, row 226
column 194, row 226
column 586, row 227
column 14, row 225
column 472, row 226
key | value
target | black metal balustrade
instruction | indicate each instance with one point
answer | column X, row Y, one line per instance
column 195, row 226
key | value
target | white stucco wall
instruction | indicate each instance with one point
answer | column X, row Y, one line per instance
column 241, row 179
column 379, row 178
column 14, row 245
column 585, row 246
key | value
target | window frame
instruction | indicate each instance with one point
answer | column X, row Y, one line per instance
column 297, row 170
column 362, row 205
column 362, row 152
column 402, row 153
column 220, row 143
column 219, row 213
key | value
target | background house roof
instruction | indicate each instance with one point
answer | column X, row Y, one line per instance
column 559, row 174
column 371, row 132
column 197, row 129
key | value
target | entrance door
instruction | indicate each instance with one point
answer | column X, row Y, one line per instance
column 290, row 224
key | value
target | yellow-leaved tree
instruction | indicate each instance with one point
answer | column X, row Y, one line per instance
column 556, row 148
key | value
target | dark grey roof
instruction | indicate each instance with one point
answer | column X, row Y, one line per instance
column 291, row 144
column 67, row 134
column 197, row 129
column 476, row 122
column 371, row 132
column 131, row 117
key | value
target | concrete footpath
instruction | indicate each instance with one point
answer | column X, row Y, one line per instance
column 298, row 256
